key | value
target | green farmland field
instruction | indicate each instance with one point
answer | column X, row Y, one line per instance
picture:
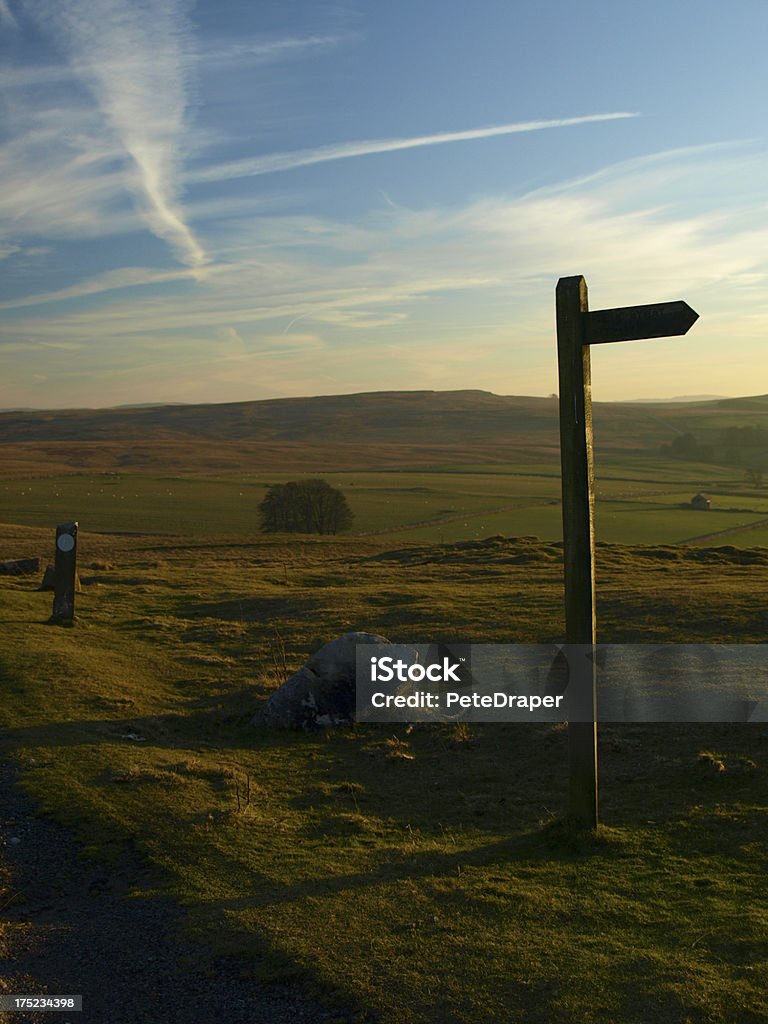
column 632, row 507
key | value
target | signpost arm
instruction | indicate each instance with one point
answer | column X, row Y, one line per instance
column 578, row 536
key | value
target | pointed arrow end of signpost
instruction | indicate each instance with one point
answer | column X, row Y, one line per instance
column 689, row 317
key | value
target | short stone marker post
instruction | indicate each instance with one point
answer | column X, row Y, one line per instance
column 65, row 575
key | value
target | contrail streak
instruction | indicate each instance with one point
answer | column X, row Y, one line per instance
column 131, row 55
column 251, row 166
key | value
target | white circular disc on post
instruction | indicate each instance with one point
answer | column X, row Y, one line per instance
column 65, row 542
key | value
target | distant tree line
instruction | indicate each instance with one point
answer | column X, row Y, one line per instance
column 745, row 437
column 738, row 446
column 304, row 506
column 686, row 446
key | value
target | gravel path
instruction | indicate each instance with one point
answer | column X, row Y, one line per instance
column 69, row 928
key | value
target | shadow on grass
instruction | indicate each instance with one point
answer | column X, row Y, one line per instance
column 253, row 609
column 428, row 806
column 496, row 779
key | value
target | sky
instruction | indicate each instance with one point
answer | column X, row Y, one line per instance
column 227, row 200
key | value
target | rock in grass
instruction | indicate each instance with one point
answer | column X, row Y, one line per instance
column 322, row 692
column 20, row 567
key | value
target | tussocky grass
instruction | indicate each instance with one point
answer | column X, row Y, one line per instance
column 417, row 874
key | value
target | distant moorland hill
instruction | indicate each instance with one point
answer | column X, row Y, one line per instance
column 442, row 417
column 399, row 426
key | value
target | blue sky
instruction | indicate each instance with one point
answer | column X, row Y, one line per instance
column 222, row 201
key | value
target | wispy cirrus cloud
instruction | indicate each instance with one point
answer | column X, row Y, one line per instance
column 211, row 56
column 376, row 270
column 133, row 57
column 110, row 280
column 61, row 177
column 267, row 51
column 399, row 293
column 252, row 166
column 7, row 19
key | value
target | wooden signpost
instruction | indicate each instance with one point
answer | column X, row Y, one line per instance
column 577, row 329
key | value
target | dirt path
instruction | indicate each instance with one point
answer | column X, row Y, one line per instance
column 70, row 928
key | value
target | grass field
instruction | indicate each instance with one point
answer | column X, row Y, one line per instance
column 406, row 875
column 635, row 504
column 413, row 875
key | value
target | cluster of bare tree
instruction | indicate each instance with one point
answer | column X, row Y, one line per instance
column 304, row 506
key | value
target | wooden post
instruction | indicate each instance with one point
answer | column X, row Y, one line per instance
column 578, row 540
column 577, row 329
column 65, row 574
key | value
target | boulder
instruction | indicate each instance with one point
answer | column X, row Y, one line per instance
column 322, row 692
column 20, row 567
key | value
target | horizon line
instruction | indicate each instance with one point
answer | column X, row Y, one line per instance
column 551, row 396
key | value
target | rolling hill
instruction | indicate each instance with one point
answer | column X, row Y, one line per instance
column 378, row 428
